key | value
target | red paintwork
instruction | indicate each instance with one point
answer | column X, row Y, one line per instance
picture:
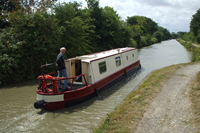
column 87, row 90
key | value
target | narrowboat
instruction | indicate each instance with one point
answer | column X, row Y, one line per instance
column 88, row 75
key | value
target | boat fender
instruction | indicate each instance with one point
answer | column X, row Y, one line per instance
column 39, row 104
column 125, row 73
column 96, row 92
column 55, row 85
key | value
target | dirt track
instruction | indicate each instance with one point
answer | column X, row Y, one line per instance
column 170, row 111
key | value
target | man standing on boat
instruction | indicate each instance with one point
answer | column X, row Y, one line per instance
column 62, row 71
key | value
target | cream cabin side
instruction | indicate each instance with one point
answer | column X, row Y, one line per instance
column 104, row 67
column 129, row 57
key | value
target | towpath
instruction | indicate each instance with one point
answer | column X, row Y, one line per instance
column 170, row 111
column 195, row 45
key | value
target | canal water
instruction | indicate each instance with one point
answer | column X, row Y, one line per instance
column 17, row 113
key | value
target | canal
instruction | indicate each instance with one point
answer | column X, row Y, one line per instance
column 17, row 113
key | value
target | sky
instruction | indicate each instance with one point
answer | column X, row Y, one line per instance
column 174, row 15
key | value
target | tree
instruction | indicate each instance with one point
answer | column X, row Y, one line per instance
column 195, row 23
column 151, row 26
column 158, row 35
column 144, row 25
column 180, row 34
column 174, row 35
column 132, row 20
column 6, row 6
column 75, row 28
column 110, row 29
column 29, row 43
column 96, row 14
column 126, row 36
column 165, row 32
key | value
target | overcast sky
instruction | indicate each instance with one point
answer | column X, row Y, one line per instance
column 174, row 15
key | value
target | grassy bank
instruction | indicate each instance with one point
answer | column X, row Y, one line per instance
column 125, row 117
column 195, row 50
column 195, row 98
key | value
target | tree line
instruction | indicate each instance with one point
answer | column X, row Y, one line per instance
column 32, row 32
column 194, row 34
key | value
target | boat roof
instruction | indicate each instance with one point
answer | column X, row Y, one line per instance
column 100, row 55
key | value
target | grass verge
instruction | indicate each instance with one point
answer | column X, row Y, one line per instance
column 195, row 98
column 125, row 117
column 195, row 50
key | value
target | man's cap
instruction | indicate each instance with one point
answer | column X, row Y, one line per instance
column 63, row 48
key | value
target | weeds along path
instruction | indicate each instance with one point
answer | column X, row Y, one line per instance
column 171, row 110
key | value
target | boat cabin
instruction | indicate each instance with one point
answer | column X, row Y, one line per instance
column 100, row 65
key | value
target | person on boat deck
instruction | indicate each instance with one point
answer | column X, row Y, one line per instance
column 62, row 71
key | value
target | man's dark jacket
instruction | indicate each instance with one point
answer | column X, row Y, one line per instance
column 60, row 61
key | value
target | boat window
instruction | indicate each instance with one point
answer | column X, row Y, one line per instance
column 102, row 67
column 133, row 55
column 118, row 61
column 127, row 57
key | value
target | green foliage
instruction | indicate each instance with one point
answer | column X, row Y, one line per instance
column 34, row 38
column 195, row 23
column 180, row 34
column 145, row 25
column 74, row 26
column 198, row 38
column 190, row 37
column 143, row 42
column 158, row 35
column 195, row 50
column 132, row 20
column 97, row 20
column 111, row 29
column 28, row 44
column 6, row 6
column 166, row 34
column 126, row 34
column 133, row 43
column 148, row 39
column 146, row 31
column 194, row 34
column 151, row 26
column 174, row 35
column 154, row 40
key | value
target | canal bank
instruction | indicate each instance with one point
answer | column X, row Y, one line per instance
column 167, row 101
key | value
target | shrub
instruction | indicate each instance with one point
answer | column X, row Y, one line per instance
column 143, row 42
column 158, row 35
column 154, row 40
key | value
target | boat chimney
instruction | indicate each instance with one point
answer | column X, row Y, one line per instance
column 118, row 50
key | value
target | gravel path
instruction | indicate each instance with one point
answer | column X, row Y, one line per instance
column 170, row 111
column 196, row 45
